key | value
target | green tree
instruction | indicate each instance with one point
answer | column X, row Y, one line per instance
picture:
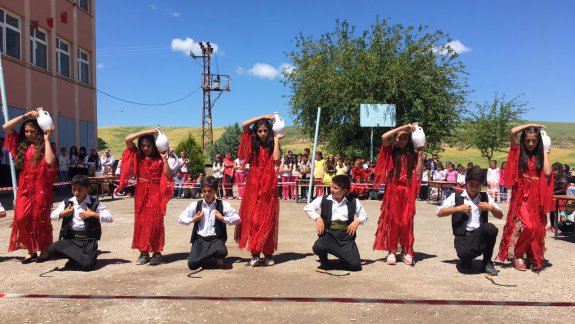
column 102, row 145
column 406, row 66
column 228, row 142
column 194, row 153
column 487, row 129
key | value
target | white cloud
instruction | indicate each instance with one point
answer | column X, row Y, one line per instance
column 100, row 66
column 153, row 6
column 187, row 45
column 457, row 46
column 267, row 71
column 240, row 70
column 174, row 14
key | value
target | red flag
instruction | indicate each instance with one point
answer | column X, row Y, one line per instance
column 64, row 17
column 50, row 22
column 35, row 24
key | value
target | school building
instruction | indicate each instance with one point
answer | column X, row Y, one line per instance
column 48, row 56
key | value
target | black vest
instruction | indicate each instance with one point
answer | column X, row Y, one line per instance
column 92, row 225
column 221, row 231
column 459, row 220
column 326, row 206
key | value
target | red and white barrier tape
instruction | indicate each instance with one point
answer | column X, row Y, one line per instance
column 446, row 302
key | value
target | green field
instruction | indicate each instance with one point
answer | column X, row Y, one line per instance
column 563, row 135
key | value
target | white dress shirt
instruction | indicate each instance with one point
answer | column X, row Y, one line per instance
column 473, row 221
column 77, row 222
column 338, row 210
column 183, row 166
column 207, row 222
column 107, row 161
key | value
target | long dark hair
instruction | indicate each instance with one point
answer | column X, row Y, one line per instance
column 537, row 152
column 24, row 143
column 397, row 152
column 155, row 153
column 73, row 150
column 268, row 142
column 82, row 153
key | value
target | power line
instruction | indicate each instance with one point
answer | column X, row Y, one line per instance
column 149, row 104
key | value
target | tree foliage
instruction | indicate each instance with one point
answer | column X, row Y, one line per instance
column 228, row 142
column 487, row 129
column 406, row 66
column 194, row 153
column 102, row 145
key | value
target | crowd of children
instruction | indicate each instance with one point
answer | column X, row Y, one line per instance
column 401, row 168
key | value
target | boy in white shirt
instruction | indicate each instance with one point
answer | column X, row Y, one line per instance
column 81, row 216
column 209, row 216
column 337, row 224
column 474, row 235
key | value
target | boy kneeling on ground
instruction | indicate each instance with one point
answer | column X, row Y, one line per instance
column 337, row 225
column 81, row 229
column 474, row 235
column 209, row 216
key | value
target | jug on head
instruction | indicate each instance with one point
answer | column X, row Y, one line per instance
column 546, row 141
column 418, row 136
column 279, row 125
column 44, row 119
column 162, row 142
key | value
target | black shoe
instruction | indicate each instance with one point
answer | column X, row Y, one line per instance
column 466, row 264
column 30, row 259
column 489, row 268
column 143, row 259
column 323, row 264
column 156, row 259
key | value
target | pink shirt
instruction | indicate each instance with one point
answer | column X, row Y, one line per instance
column 451, row 176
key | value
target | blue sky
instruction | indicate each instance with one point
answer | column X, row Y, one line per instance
column 509, row 47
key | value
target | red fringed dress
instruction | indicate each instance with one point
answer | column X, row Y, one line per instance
column 32, row 228
column 259, row 210
column 395, row 225
column 531, row 199
column 153, row 191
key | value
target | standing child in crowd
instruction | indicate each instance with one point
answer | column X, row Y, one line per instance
column 259, row 210
column 529, row 175
column 63, row 165
column 285, row 169
column 493, row 176
column 81, row 217
column 502, row 188
column 209, row 235
column 329, row 173
column 399, row 166
column 154, row 189
column 178, row 185
column 559, row 188
column 35, row 160
column 229, row 176
column 295, row 176
column 183, row 161
column 337, row 224
column 460, row 178
column 424, row 190
column 239, row 176
column 318, row 173
column 450, row 176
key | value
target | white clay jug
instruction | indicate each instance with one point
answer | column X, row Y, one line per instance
column 44, row 119
column 279, row 127
column 162, row 142
column 418, row 136
column 546, row 141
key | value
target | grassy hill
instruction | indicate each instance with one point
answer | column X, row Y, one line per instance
column 563, row 135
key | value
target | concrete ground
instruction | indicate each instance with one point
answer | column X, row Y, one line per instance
column 435, row 276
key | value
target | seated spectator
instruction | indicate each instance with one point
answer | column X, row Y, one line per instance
column 93, row 161
column 567, row 218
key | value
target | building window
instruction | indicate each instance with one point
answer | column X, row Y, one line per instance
column 63, row 57
column 38, row 47
column 83, row 66
column 10, row 34
column 84, row 4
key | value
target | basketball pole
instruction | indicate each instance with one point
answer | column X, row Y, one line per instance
column 311, row 179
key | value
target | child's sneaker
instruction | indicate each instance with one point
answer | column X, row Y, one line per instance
column 143, row 259
column 255, row 261
column 407, row 259
column 391, row 259
column 269, row 261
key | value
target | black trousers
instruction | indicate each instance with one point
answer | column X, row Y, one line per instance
column 81, row 252
column 341, row 245
column 476, row 243
column 205, row 248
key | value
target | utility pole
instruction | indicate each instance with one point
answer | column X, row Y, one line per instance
column 210, row 83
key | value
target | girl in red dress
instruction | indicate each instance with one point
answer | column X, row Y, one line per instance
column 529, row 175
column 259, row 211
column 154, row 189
column 34, row 158
column 398, row 166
